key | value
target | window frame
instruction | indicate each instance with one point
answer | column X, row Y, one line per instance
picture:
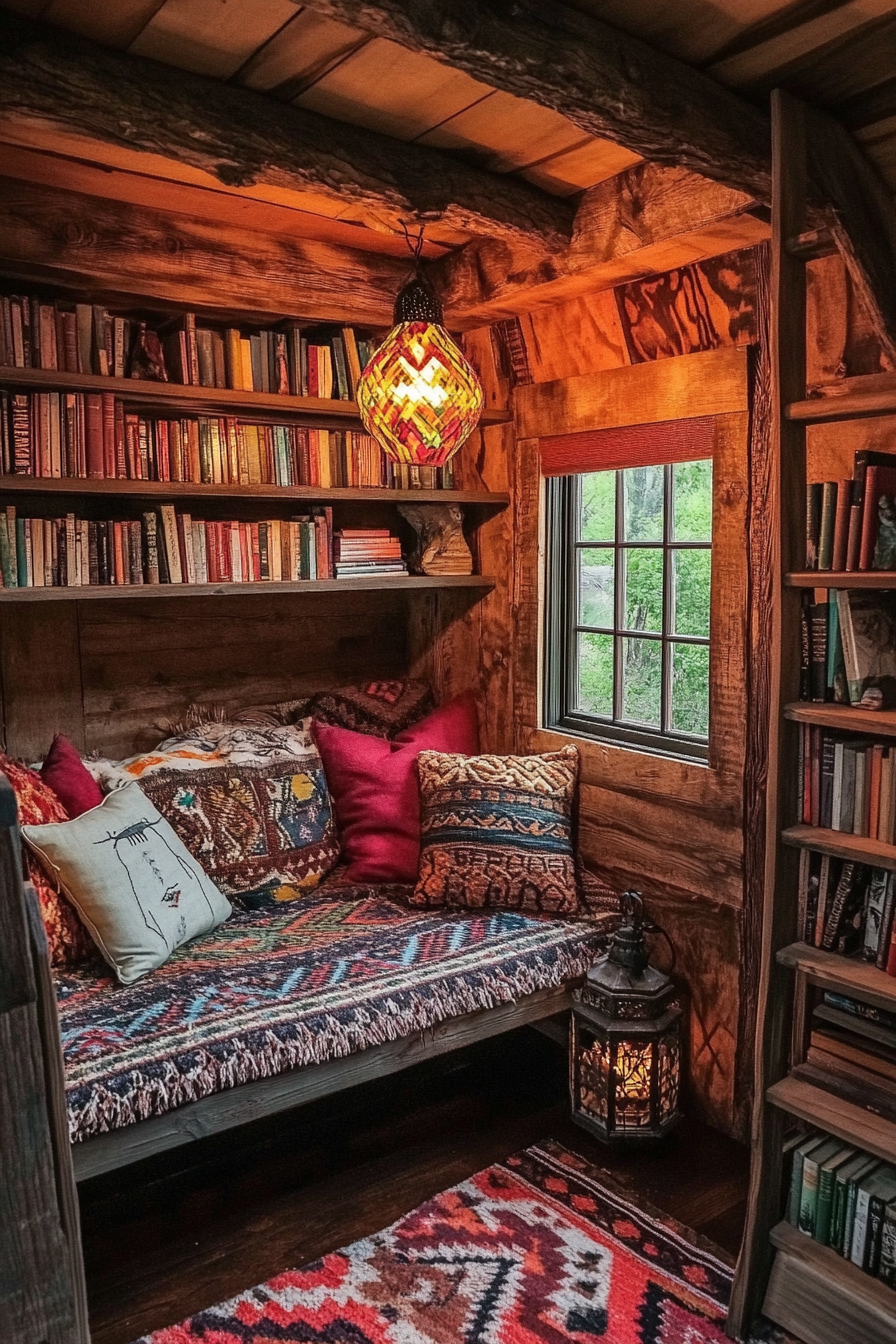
column 562, row 627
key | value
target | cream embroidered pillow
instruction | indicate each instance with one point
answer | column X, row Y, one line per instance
column 131, row 879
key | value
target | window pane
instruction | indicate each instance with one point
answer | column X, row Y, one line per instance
column 690, row 688
column 642, row 673
column 598, row 519
column 596, row 587
column 643, row 596
column 690, row 592
column 642, row 494
column 595, row 679
column 692, row 501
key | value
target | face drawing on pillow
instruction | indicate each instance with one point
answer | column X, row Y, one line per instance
column 158, row 876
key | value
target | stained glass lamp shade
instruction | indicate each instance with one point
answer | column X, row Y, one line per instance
column 625, row 1049
column 418, row 396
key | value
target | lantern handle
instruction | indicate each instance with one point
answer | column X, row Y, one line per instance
column 632, row 907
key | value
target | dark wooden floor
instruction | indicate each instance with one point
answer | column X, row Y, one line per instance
column 186, row 1230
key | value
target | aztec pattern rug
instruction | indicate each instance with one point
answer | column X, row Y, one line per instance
column 531, row 1251
column 339, row 971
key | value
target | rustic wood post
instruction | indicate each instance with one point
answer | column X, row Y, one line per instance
column 42, row 1293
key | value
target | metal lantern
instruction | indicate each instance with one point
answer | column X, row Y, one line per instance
column 418, row 396
column 625, row 1047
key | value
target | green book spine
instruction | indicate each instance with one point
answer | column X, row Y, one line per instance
column 796, row 1187
column 824, row 1205
column 809, row 1198
column 10, row 580
column 828, row 514
column 21, row 554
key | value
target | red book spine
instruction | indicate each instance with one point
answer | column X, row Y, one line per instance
column 121, row 575
column 162, row 454
column 121, row 462
column 869, row 519
column 109, row 451
column 256, row 554
column 95, row 454
column 246, row 552
column 841, row 524
column 132, row 446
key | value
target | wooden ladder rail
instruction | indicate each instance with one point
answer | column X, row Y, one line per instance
column 797, row 141
column 43, row 1298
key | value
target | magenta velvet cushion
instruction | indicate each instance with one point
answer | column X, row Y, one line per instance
column 373, row 785
column 66, row 774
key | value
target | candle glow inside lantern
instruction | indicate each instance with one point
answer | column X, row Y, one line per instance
column 625, row 1047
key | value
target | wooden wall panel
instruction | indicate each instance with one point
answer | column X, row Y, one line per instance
column 121, row 672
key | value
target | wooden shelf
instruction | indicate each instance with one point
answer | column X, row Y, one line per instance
column 844, row 974
column 175, row 396
column 56, row 485
column 848, row 406
column 847, row 718
column 842, row 578
column 841, row 1118
column 842, row 845
column 372, row 583
column 823, row 1298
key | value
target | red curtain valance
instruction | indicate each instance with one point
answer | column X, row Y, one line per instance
column 628, row 446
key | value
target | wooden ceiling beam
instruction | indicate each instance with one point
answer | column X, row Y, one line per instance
column 60, row 92
column 644, row 221
column 610, row 84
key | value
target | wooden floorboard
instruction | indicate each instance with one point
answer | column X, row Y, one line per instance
column 189, row 1228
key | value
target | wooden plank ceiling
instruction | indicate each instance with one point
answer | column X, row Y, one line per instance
column 295, row 54
column 837, row 54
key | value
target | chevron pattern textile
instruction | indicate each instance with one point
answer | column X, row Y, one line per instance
column 342, row 970
column 497, row 832
column 534, row 1250
column 418, row 396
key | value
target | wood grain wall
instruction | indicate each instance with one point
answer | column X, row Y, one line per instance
column 686, row 835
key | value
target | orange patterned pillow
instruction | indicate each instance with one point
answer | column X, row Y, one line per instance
column 70, row 943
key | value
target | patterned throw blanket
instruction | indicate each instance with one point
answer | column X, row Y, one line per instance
column 334, row 973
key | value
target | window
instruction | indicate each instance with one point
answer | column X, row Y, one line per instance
column 627, row 646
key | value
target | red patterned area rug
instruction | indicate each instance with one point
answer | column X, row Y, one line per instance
column 533, row 1250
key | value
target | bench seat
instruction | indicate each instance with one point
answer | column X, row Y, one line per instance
column 337, row 972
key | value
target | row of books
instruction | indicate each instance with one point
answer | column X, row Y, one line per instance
column 93, row 435
column 847, row 784
column 846, row 907
column 290, row 359
column 846, row 1199
column 851, row 523
column 165, row 546
column 848, row 648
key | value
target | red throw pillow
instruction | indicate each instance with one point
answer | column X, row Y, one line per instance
column 70, row 943
column 373, row 784
column 66, row 774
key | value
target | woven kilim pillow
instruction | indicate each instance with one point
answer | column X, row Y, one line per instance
column 497, row 831
column 251, row 804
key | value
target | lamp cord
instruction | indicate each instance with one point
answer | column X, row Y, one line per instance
column 415, row 245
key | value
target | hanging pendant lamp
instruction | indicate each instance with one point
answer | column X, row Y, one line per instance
column 418, row 395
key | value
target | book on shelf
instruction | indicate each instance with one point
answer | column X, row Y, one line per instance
column 847, row 908
column 847, row 783
column 367, row 551
column 851, row 523
column 95, row 436
column 845, row 1198
column 289, row 358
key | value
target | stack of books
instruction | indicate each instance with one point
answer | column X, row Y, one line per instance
column 364, row 551
column 853, row 1057
column 163, row 546
column 851, row 523
column 847, row 783
column 290, row 359
column 73, row 434
column 845, row 1199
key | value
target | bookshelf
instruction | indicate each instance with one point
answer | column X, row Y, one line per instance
column 798, row 1283
column 177, row 396
column 375, row 583
column 366, row 494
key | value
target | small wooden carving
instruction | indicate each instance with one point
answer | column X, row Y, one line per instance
column 441, row 546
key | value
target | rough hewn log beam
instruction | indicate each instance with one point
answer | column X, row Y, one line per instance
column 65, row 237
column 610, row 84
column 55, row 82
column 861, row 217
column 642, row 222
